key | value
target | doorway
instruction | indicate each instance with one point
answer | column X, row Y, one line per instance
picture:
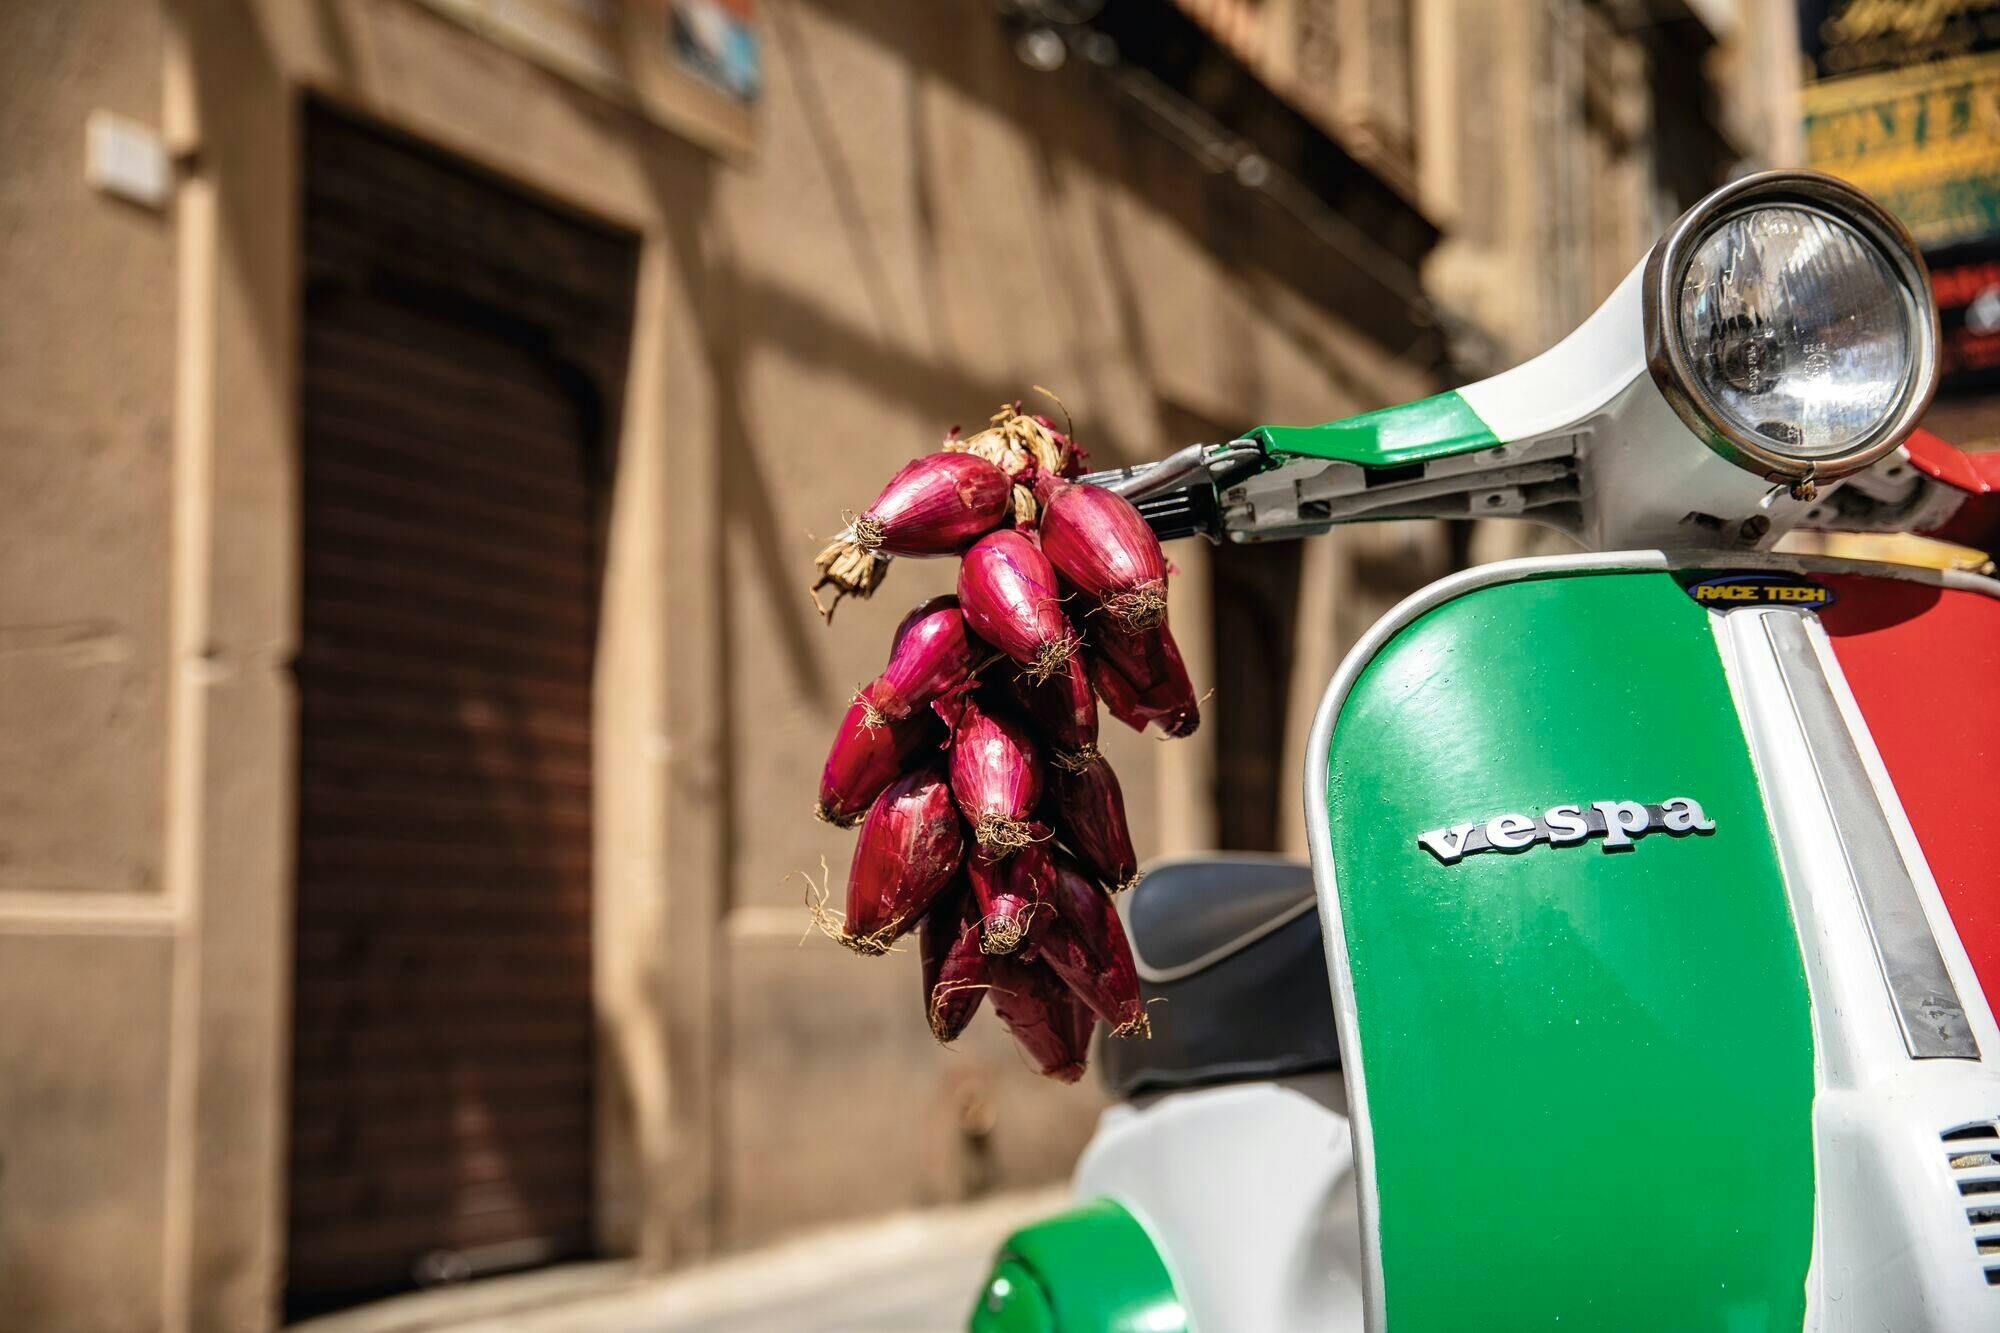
column 464, row 348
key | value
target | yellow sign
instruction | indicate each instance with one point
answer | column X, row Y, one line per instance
column 1853, row 36
column 1924, row 139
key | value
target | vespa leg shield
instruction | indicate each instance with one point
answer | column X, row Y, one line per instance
column 1651, row 1012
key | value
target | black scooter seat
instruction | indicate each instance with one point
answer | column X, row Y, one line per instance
column 1233, row 972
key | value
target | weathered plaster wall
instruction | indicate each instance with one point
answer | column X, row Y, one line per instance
column 86, row 954
column 86, row 376
column 926, row 227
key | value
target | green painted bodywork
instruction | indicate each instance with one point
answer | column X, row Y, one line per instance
column 1092, row 1269
column 1589, row 1074
column 1013, row 1301
column 1393, row 437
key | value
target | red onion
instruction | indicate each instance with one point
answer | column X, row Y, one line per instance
column 1083, row 1024
column 1118, row 694
column 1099, row 544
column 933, row 654
column 954, row 966
column 1042, row 1014
column 1089, row 810
column 910, row 846
column 1009, row 893
column 934, row 506
column 1062, row 708
column 1083, row 942
column 1149, row 660
column 996, row 777
column 1008, row 594
column 866, row 757
column 1141, row 678
column 916, row 616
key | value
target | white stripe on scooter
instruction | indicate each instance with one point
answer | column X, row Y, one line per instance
column 1876, row 1111
column 1572, row 381
column 1809, row 844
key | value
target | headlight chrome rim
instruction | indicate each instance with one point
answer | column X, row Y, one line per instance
column 1673, row 373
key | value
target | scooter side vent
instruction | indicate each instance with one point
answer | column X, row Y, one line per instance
column 1973, row 1151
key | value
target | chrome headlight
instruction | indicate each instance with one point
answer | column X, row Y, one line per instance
column 1789, row 322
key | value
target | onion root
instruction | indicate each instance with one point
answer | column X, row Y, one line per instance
column 832, row 923
column 871, row 716
column 1142, row 607
column 944, row 992
column 1078, row 760
column 999, row 834
column 826, row 816
column 1053, row 656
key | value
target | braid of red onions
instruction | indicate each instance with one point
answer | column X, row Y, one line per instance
column 965, row 845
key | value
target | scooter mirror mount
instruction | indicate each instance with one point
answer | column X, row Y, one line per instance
column 1777, row 342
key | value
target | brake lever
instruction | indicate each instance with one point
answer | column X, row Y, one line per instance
column 1177, row 468
column 1180, row 496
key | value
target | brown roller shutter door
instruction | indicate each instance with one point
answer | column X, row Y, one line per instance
column 463, row 353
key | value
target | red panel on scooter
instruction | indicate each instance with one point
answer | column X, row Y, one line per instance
column 1922, row 661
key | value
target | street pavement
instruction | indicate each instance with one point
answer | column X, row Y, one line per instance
column 916, row 1272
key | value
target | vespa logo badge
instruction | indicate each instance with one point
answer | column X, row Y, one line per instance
column 1617, row 823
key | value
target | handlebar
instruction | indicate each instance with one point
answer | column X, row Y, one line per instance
column 1180, row 496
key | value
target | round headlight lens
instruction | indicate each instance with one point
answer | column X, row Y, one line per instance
column 1797, row 330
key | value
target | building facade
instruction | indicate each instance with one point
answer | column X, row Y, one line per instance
column 415, row 424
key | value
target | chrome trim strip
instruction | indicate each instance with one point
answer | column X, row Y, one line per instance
column 1927, row 1005
column 1944, row 926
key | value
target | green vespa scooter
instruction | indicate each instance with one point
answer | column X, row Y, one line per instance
column 1643, row 974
